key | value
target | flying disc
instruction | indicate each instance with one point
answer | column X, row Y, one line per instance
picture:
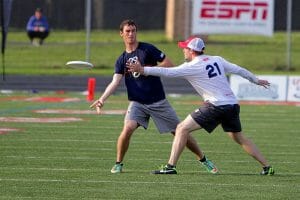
column 79, row 64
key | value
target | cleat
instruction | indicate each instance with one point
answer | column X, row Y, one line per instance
column 210, row 167
column 117, row 168
column 165, row 170
column 267, row 171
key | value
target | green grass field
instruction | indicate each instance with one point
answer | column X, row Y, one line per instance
column 73, row 160
column 260, row 54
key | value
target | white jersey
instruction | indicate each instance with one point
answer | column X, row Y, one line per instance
column 207, row 74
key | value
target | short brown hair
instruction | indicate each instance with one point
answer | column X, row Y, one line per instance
column 39, row 10
column 128, row 22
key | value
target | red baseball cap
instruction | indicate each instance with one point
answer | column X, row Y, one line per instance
column 183, row 44
column 193, row 43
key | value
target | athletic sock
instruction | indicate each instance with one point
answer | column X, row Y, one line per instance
column 203, row 159
column 171, row 166
column 266, row 167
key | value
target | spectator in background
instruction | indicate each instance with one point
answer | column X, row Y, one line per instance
column 37, row 27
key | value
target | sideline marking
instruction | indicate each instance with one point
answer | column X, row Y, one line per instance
column 40, row 120
column 65, row 111
column 5, row 130
column 267, row 103
column 41, row 99
column 281, row 103
column 52, row 99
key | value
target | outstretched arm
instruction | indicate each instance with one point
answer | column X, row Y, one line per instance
column 235, row 69
column 98, row 104
column 181, row 71
column 251, row 77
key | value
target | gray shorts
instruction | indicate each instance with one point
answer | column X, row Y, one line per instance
column 161, row 112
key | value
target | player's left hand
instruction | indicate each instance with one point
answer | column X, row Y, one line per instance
column 263, row 83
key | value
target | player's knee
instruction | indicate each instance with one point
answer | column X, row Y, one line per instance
column 181, row 128
column 239, row 138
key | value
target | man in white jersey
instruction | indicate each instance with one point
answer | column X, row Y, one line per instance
column 207, row 74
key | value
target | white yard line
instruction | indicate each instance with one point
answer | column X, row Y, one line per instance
column 143, row 182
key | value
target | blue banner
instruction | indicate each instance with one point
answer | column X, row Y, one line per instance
column 5, row 10
column 5, row 17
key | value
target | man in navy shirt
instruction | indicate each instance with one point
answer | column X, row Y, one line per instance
column 37, row 27
column 146, row 96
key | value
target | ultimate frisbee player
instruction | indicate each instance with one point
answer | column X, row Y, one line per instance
column 145, row 94
column 207, row 74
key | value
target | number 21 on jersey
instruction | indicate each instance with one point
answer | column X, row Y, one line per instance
column 213, row 70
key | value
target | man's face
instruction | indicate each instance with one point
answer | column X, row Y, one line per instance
column 187, row 54
column 128, row 34
column 38, row 14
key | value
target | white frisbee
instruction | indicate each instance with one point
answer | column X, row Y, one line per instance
column 80, row 64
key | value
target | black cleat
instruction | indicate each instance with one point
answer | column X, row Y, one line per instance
column 267, row 171
column 165, row 170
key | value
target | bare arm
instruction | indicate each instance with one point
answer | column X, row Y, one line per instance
column 98, row 104
column 166, row 63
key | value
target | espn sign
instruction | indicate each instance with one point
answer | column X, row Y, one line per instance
column 234, row 10
column 233, row 17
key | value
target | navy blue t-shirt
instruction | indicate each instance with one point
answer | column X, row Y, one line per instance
column 143, row 89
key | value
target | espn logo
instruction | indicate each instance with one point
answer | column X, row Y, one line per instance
column 224, row 9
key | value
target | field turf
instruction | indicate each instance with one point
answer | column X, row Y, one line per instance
column 72, row 160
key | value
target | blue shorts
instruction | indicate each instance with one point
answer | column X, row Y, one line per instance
column 210, row 116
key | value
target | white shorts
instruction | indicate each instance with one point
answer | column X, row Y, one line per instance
column 161, row 112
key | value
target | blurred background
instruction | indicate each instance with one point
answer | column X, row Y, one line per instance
column 107, row 14
column 88, row 30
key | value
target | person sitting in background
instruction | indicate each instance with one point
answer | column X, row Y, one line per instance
column 37, row 27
